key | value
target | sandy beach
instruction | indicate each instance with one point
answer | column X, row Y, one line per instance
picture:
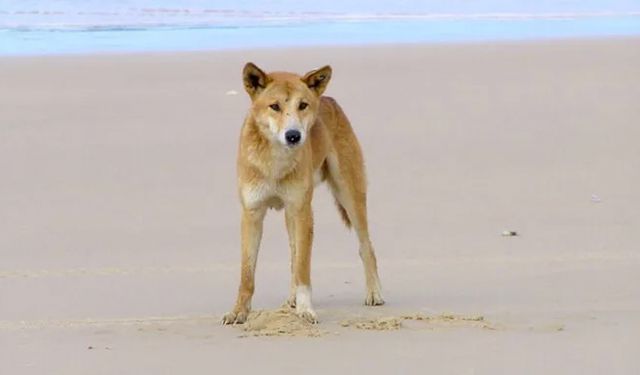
column 120, row 220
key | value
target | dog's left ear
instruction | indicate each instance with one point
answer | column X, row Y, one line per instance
column 317, row 80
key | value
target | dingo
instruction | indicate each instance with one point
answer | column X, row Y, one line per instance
column 292, row 139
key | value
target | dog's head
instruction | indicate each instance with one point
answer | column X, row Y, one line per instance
column 285, row 105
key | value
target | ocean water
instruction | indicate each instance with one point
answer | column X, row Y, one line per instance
column 36, row 27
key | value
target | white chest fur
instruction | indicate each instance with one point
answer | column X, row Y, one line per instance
column 272, row 191
column 256, row 194
column 271, row 195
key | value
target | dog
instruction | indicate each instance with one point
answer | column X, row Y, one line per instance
column 292, row 139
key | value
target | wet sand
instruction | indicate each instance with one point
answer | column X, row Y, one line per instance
column 120, row 239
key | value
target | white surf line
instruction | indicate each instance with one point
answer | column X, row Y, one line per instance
column 232, row 267
column 92, row 322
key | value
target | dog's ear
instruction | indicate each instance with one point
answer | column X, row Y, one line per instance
column 317, row 80
column 255, row 80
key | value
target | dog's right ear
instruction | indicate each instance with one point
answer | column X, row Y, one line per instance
column 255, row 80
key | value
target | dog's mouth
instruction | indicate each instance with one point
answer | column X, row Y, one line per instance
column 291, row 147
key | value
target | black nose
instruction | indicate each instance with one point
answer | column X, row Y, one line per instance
column 292, row 136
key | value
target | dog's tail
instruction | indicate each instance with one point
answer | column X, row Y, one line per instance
column 343, row 215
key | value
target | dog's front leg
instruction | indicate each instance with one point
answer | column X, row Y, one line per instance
column 252, row 220
column 290, row 217
column 303, row 227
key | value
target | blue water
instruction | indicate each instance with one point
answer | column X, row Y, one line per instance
column 37, row 27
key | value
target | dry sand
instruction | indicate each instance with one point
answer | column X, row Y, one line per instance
column 119, row 241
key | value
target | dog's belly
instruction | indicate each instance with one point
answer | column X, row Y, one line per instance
column 275, row 202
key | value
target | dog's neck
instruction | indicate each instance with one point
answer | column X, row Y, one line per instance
column 274, row 160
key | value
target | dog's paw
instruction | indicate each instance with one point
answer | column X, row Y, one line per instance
column 308, row 314
column 234, row 317
column 304, row 308
column 374, row 298
column 291, row 301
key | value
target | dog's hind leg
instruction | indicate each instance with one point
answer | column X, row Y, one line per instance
column 348, row 185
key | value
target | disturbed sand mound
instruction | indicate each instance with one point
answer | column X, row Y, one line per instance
column 280, row 322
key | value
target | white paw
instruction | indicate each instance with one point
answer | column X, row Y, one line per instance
column 304, row 308
column 373, row 298
column 307, row 314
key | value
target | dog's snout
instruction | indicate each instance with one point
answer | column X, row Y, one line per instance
column 293, row 136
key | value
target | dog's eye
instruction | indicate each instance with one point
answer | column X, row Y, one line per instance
column 302, row 106
column 275, row 107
